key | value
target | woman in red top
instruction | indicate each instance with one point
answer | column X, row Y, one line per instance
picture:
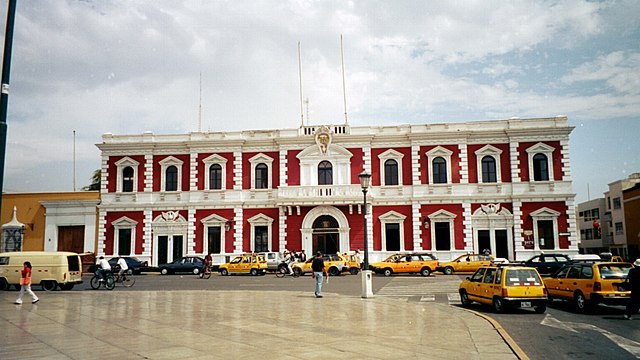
column 25, row 282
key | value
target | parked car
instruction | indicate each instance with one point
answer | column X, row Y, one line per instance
column 353, row 264
column 464, row 263
column 135, row 265
column 412, row 263
column 254, row 264
column 588, row 284
column 335, row 264
column 275, row 260
column 508, row 286
column 547, row 264
column 185, row 264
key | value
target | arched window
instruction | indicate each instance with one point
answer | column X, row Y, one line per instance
column 171, row 178
column 489, row 170
column 439, row 170
column 215, row 177
column 325, row 173
column 540, row 167
column 262, row 180
column 391, row 172
column 127, row 179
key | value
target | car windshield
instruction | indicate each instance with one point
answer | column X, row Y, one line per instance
column 522, row 277
column 613, row 271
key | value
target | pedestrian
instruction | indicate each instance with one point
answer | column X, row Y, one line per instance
column 359, row 257
column 633, row 280
column 303, row 256
column 25, row 284
column 317, row 265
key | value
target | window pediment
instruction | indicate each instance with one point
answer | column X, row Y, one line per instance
column 170, row 160
column 392, row 216
column 215, row 159
column 260, row 219
column 441, row 215
column 545, row 213
column 124, row 222
column 214, row 219
column 391, row 154
column 439, row 151
column 333, row 151
column 540, row 148
column 126, row 161
column 488, row 150
column 261, row 158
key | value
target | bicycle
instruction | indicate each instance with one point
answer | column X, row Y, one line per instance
column 205, row 273
column 127, row 279
column 109, row 282
column 283, row 270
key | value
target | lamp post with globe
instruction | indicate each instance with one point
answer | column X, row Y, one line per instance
column 367, row 289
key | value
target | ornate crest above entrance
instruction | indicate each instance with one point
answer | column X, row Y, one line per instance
column 323, row 138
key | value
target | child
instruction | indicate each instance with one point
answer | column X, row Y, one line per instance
column 25, row 282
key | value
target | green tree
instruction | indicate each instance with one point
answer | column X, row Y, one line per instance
column 95, row 181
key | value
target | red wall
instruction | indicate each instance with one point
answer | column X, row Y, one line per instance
column 293, row 168
column 377, row 225
column 200, row 236
column 275, row 232
column 458, row 227
column 425, row 166
column 112, row 172
column 246, row 169
column 527, row 220
column 505, row 166
column 379, row 172
column 157, row 171
column 357, row 164
column 202, row 170
column 137, row 216
column 556, row 160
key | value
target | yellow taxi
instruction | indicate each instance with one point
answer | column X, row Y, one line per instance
column 353, row 264
column 254, row 264
column 465, row 263
column 413, row 263
column 505, row 287
column 334, row 263
column 588, row 284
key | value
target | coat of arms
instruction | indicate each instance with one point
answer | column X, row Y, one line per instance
column 323, row 138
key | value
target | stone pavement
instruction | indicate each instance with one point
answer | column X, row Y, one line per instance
column 124, row 324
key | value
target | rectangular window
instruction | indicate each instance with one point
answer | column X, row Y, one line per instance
column 443, row 236
column 545, row 234
column 214, row 239
column 261, row 239
column 392, row 236
column 124, row 241
column 616, row 203
column 619, row 229
column 589, row 234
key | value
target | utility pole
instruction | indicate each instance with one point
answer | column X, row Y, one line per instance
column 4, row 99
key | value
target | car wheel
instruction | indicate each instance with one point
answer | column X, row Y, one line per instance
column 333, row 271
column 464, row 298
column 425, row 271
column 224, row 272
column 196, row 271
column 164, row 271
column 498, row 306
column 254, row 272
column 49, row 285
column 387, row 272
column 4, row 285
column 540, row 309
column 354, row 271
column 580, row 302
column 448, row 270
column 297, row 271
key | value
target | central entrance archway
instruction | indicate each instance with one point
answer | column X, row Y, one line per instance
column 325, row 229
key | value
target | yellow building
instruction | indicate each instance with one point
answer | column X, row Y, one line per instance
column 56, row 221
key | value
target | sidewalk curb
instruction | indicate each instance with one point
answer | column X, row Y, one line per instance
column 517, row 351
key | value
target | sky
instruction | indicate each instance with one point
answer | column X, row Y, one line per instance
column 84, row 68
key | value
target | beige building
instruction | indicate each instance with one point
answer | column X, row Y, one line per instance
column 64, row 221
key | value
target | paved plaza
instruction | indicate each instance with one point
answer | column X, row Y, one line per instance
column 124, row 324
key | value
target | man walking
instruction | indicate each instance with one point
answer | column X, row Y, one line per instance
column 317, row 265
column 633, row 279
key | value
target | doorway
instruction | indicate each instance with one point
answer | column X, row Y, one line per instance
column 502, row 244
column 484, row 241
column 169, row 248
column 71, row 238
column 327, row 243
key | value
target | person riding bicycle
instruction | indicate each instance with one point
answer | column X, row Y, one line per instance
column 123, row 266
column 208, row 260
column 289, row 259
column 103, row 267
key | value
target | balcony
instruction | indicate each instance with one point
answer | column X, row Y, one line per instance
column 319, row 194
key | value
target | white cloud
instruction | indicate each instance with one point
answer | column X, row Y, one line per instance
column 618, row 69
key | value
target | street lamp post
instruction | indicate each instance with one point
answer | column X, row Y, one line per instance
column 367, row 288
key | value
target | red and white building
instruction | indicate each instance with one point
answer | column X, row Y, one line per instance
column 447, row 188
